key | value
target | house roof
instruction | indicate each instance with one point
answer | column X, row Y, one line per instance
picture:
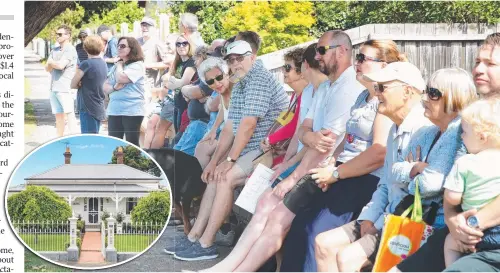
column 93, row 172
column 119, row 188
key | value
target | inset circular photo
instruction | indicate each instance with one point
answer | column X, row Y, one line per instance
column 88, row 201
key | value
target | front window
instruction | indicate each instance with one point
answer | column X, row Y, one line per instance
column 131, row 203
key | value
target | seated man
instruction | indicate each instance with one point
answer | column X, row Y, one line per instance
column 257, row 100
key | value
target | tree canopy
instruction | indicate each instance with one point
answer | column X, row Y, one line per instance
column 38, row 203
column 134, row 158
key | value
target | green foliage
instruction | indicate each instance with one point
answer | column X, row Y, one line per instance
column 104, row 216
column 70, row 17
column 153, row 208
column 134, row 158
column 280, row 24
column 120, row 217
column 123, row 12
column 38, row 203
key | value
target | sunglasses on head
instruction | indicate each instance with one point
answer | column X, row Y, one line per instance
column 218, row 78
column 322, row 49
column 238, row 58
column 182, row 44
column 433, row 93
column 361, row 58
column 288, row 68
column 122, row 46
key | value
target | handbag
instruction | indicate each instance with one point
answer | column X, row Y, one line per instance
column 402, row 236
column 283, row 119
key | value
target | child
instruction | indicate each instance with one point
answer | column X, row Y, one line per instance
column 474, row 180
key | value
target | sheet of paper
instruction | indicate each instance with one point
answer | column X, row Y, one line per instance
column 259, row 181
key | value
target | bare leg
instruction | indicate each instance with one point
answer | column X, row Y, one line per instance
column 60, row 124
column 160, row 132
column 326, row 247
column 205, row 209
column 70, row 117
column 223, row 202
column 271, row 239
column 251, row 234
column 352, row 258
column 204, row 152
column 150, row 130
column 451, row 251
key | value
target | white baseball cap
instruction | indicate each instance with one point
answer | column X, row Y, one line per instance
column 238, row 47
column 398, row 71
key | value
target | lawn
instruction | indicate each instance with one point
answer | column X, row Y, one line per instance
column 33, row 263
column 29, row 111
column 46, row 242
column 132, row 242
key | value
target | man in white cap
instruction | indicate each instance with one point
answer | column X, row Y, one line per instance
column 256, row 101
column 399, row 89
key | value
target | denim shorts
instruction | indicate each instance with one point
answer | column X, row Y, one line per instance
column 61, row 102
column 190, row 138
column 167, row 110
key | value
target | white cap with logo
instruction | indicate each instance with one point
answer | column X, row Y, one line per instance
column 399, row 71
column 238, row 47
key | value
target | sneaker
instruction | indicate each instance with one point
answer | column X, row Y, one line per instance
column 197, row 253
column 224, row 239
column 181, row 243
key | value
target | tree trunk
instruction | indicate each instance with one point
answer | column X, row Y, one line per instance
column 37, row 14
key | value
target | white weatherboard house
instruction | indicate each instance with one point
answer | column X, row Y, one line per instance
column 91, row 189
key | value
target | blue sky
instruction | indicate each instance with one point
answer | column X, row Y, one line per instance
column 85, row 149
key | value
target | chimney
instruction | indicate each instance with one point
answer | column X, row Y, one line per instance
column 119, row 155
column 67, row 156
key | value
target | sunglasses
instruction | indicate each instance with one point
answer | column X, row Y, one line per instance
column 122, row 46
column 59, row 34
column 361, row 58
column 322, row 49
column 433, row 93
column 288, row 68
column 238, row 59
column 218, row 78
column 380, row 87
column 182, row 44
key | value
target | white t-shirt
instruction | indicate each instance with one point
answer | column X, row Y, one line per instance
column 306, row 103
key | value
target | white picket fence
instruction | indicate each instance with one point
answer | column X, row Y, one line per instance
column 136, row 237
column 44, row 235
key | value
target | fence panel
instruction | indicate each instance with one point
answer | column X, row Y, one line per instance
column 44, row 235
column 137, row 237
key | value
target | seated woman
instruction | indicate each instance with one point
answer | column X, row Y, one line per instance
column 366, row 127
column 181, row 73
column 429, row 156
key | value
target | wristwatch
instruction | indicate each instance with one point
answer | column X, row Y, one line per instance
column 336, row 174
column 473, row 222
column 229, row 159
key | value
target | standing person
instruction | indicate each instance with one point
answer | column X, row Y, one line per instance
column 111, row 49
column 82, row 54
column 256, row 101
column 125, row 86
column 89, row 80
column 188, row 26
column 486, row 75
column 61, row 65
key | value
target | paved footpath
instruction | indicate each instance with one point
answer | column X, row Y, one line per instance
column 91, row 248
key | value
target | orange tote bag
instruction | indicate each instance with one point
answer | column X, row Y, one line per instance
column 402, row 236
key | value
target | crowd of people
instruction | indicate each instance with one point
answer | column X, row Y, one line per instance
column 351, row 145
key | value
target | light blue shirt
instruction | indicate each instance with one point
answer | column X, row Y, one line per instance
column 130, row 100
column 389, row 192
column 306, row 102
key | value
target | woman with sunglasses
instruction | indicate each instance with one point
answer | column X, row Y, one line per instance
column 125, row 86
column 350, row 180
column 429, row 158
column 181, row 73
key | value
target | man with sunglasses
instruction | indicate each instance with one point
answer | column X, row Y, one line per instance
column 256, row 101
column 466, row 227
column 111, row 48
column 61, row 65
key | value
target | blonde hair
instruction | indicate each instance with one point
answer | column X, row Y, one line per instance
column 483, row 117
column 93, row 45
column 457, row 88
column 387, row 50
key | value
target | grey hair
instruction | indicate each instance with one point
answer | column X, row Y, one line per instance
column 211, row 63
column 190, row 21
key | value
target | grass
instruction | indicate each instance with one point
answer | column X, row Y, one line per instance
column 33, row 263
column 29, row 111
column 132, row 242
column 46, row 242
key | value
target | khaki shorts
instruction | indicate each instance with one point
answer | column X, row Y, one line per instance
column 369, row 242
column 245, row 162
